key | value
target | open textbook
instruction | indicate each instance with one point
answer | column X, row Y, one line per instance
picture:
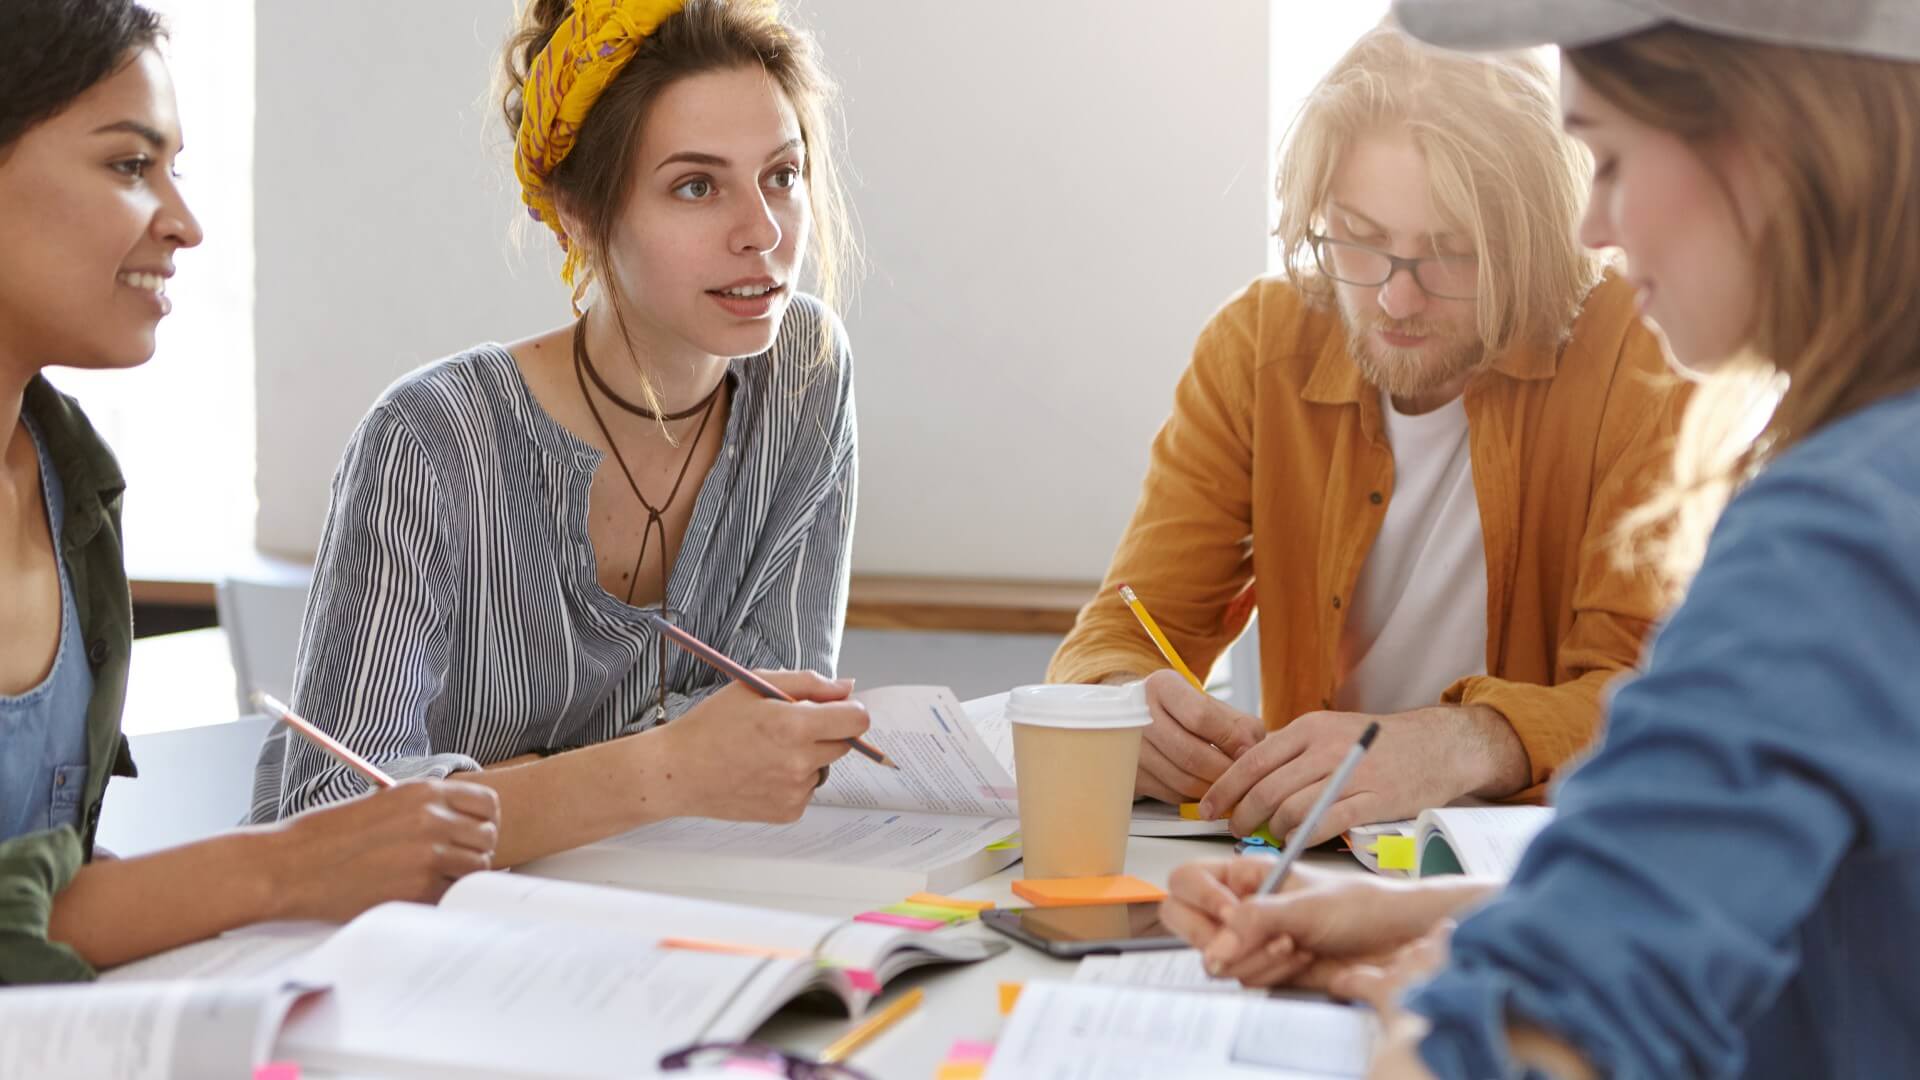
column 943, row 820
column 1485, row 841
column 509, row 976
column 1090, row 1031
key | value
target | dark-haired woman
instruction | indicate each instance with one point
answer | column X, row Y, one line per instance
column 90, row 221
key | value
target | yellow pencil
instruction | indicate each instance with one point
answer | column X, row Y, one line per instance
column 1160, row 639
column 873, row 1025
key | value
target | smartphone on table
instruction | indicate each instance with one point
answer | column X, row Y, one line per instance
column 1080, row 930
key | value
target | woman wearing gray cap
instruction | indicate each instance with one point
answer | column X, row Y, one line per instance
column 1732, row 884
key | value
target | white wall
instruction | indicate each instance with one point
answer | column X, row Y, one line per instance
column 1053, row 195
column 382, row 208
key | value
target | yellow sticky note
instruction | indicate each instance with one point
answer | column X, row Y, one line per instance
column 1009, row 996
column 1394, row 852
column 1190, row 811
column 936, row 900
column 960, row 1070
column 1012, row 840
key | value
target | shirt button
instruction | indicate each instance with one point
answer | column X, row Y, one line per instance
column 1375, row 499
column 97, row 651
column 1336, row 603
column 60, row 779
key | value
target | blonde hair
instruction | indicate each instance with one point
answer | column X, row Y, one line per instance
column 593, row 182
column 1502, row 172
column 1835, row 142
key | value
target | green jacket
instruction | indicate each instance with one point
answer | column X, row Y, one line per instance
column 34, row 867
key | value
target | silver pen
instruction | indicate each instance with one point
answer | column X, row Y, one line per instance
column 1328, row 794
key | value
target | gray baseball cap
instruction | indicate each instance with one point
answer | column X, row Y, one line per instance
column 1884, row 28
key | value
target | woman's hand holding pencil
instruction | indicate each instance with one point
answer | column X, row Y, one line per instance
column 405, row 841
column 740, row 756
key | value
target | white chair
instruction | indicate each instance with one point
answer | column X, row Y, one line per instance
column 193, row 783
column 261, row 613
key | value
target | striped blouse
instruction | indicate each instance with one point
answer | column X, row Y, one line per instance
column 457, row 618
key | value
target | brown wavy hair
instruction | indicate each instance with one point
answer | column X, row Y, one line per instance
column 1835, row 141
column 593, row 182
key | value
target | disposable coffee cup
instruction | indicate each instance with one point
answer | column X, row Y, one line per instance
column 1075, row 749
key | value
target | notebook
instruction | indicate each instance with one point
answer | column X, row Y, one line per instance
column 1088, row 1029
column 509, row 976
column 944, row 820
column 1485, row 841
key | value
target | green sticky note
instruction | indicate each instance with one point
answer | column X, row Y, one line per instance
column 1261, row 834
column 1011, row 840
column 928, row 911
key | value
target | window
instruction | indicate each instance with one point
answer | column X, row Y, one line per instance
column 182, row 424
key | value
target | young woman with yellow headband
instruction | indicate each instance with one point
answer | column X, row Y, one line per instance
column 505, row 518
column 90, row 221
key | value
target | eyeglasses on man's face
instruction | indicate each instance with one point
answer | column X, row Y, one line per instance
column 1443, row 277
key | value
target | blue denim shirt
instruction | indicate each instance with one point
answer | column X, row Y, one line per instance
column 1732, row 885
column 43, row 732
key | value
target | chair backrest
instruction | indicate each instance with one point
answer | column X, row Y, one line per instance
column 261, row 614
column 194, row 783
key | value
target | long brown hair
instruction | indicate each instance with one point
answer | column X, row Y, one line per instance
column 593, row 182
column 1835, row 141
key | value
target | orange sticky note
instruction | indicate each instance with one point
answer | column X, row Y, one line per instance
column 731, row 948
column 1062, row 892
column 936, row 900
column 1009, row 996
column 1190, row 811
column 960, row 1070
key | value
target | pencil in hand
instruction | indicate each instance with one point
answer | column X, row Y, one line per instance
column 732, row 669
column 273, row 707
column 1159, row 639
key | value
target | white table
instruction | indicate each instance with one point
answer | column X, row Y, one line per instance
column 181, row 688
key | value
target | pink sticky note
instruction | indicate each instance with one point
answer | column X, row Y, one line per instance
column 278, row 1070
column 970, row 1050
column 862, row 979
column 906, row 921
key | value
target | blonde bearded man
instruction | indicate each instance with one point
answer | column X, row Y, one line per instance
column 1408, row 452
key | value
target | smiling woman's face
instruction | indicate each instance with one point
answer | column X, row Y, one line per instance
column 1684, row 225
column 90, row 219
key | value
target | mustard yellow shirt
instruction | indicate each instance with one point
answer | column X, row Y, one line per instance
column 1268, row 483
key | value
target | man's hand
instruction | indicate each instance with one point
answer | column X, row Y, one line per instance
column 1192, row 740
column 1421, row 759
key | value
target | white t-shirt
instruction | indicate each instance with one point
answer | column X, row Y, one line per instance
column 1418, row 620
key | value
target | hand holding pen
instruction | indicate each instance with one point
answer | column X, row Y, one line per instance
column 739, row 673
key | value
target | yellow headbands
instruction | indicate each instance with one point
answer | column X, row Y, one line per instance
column 587, row 50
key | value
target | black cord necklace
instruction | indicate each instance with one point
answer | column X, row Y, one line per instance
column 583, row 370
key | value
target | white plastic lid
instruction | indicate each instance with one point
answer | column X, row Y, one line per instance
column 1079, row 706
